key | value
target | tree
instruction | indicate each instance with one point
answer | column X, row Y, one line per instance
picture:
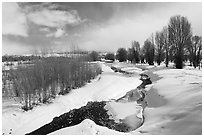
column 110, row 56
column 130, row 54
column 194, row 48
column 136, row 51
column 94, row 56
column 142, row 55
column 148, row 49
column 121, row 54
column 159, row 48
column 179, row 36
column 166, row 44
column 153, row 46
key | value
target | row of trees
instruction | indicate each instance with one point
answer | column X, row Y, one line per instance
column 9, row 58
column 174, row 42
column 48, row 77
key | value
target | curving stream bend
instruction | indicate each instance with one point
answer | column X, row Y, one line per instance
column 111, row 114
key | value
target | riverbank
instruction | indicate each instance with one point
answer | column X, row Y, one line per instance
column 122, row 116
column 181, row 114
column 175, row 101
column 152, row 97
column 109, row 85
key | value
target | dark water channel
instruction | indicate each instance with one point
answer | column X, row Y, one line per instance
column 154, row 99
column 96, row 112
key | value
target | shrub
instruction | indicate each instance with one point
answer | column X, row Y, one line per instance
column 110, row 56
column 121, row 54
column 94, row 56
column 41, row 82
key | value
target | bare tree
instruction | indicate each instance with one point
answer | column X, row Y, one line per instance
column 152, row 47
column 194, row 48
column 159, row 47
column 166, row 44
column 136, row 51
column 179, row 36
column 130, row 54
column 148, row 49
column 142, row 55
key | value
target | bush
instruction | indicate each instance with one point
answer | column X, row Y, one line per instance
column 41, row 82
column 121, row 54
column 110, row 56
column 94, row 56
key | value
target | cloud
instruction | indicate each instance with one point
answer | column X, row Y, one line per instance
column 77, row 35
column 44, row 29
column 13, row 20
column 121, row 29
column 13, row 47
column 58, row 33
column 108, row 26
column 120, row 34
column 54, row 18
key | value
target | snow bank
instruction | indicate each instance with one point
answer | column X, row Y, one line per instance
column 87, row 127
column 182, row 113
column 122, row 110
column 127, row 67
column 132, row 70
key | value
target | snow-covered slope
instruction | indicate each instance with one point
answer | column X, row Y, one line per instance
column 182, row 113
column 109, row 85
column 87, row 127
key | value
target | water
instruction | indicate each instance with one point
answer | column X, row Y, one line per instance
column 154, row 99
column 124, row 114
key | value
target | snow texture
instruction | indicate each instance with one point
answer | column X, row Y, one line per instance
column 180, row 114
column 108, row 86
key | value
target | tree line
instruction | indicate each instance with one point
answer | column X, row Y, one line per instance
column 175, row 43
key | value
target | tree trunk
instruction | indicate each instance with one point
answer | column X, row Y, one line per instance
column 167, row 59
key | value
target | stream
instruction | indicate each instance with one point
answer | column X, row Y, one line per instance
column 111, row 114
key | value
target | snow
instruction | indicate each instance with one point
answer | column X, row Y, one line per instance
column 128, row 67
column 181, row 113
column 87, row 127
column 132, row 70
column 109, row 85
column 122, row 110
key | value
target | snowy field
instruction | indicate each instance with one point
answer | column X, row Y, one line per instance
column 180, row 114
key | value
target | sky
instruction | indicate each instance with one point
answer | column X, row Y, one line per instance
column 101, row 26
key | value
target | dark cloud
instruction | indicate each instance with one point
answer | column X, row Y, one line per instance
column 36, row 37
column 94, row 11
column 99, row 25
